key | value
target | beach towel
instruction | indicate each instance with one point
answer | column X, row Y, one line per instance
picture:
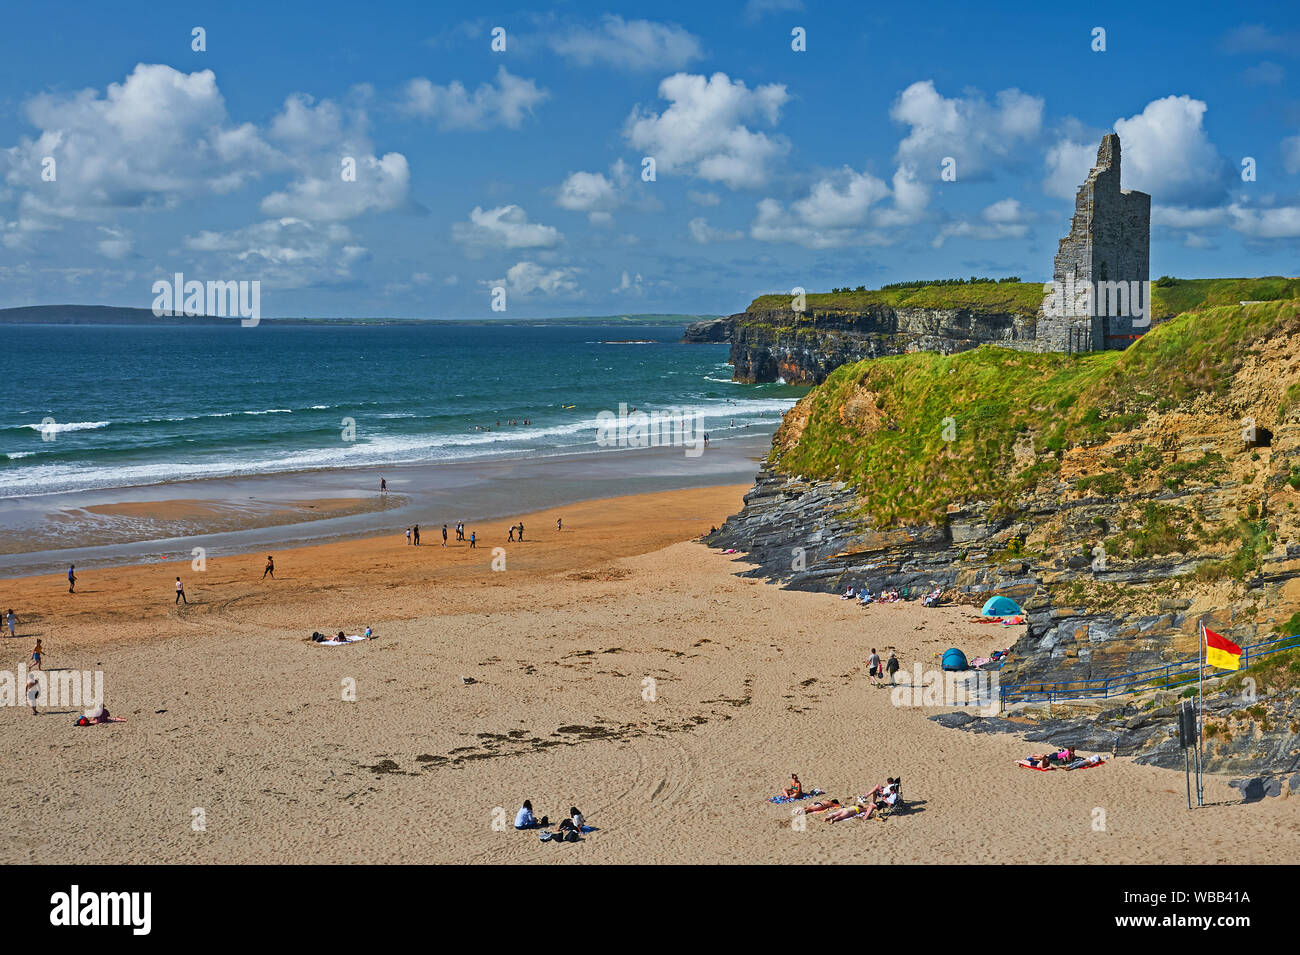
column 98, row 720
column 808, row 794
column 1028, row 765
column 1087, row 763
column 336, row 642
column 1012, row 621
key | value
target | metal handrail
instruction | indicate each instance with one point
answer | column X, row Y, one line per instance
column 1105, row 687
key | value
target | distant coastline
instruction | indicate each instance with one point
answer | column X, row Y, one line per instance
column 118, row 315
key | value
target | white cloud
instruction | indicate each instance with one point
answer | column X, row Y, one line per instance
column 117, row 243
column 1068, row 163
column 1281, row 222
column 1004, row 219
column 506, row 103
column 773, row 223
column 1167, row 152
column 284, row 253
column 703, row 130
column 629, row 285
column 703, row 198
column 969, row 129
column 159, row 137
column 627, row 44
column 525, row 278
column 505, row 227
column 705, row 234
column 844, row 203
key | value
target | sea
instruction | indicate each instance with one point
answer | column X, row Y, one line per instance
column 88, row 407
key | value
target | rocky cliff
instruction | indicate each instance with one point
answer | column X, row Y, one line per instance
column 770, row 340
column 802, row 349
column 1121, row 497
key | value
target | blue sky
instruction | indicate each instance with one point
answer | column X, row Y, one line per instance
column 523, row 169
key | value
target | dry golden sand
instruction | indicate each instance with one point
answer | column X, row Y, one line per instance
column 751, row 682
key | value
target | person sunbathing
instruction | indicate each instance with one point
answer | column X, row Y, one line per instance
column 848, row 594
column 865, row 597
column 848, row 812
column 821, row 805
column 795, row 789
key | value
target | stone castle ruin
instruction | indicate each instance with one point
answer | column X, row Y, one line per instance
column 1099, row 297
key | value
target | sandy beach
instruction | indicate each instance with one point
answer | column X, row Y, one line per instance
column 618, row 665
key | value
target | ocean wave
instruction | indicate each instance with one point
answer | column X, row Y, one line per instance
column 272, row 411
column 59, row 428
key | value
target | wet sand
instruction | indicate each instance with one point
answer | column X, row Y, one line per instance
column 617, row 665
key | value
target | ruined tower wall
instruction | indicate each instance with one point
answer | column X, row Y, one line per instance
column 1109, row 241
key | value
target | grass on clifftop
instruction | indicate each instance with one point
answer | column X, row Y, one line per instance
column 880, row 424
column 1023, row 298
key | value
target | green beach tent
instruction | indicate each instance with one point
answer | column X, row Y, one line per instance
column 1001, row 607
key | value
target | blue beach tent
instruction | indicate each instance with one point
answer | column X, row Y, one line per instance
column 1001, row 607
column 954, row 659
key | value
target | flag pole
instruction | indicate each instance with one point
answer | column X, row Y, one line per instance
column 1200, row 714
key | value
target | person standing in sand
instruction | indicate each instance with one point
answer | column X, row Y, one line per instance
column 408, row 537
column 180, row 592
column 473, row 541
column 38, row 654
column 511, row 538
column 416, row 531
column 383, row 486
column 873, row 667
column 559, row 523
column 521, row 530
column 891, row 667
column 11, row 620
column 33, row 692
column 72, row 579
column 270, row 567
column 444, row 535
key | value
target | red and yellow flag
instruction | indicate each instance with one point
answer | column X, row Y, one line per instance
column 1221, row 652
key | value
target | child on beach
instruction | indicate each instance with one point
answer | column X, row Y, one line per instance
column 72, row 579
column 444, row 535
column 11, row 620
column 33, row 692
column 511, row 538
column 408, row 537
column 559, row 523
column 37, row 653
column 473, row 541
column 270, row 567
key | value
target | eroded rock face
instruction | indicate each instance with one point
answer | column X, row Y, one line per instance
column 713, row 331
column 802, row 349
column 1122, row 616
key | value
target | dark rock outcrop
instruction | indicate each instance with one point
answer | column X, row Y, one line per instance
column 712, row 331
column 802, row 349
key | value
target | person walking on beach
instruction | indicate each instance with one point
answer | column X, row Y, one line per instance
column 521, row 530
column 11, row 620
column 72, row 579
column 33, row 692
column 38, row 653
column 511, row 538
column 416, row 530
column 559, row 523
column 892, row 667
column 873, row 667
column 473, row 542
column 444, row 535
column 383, row 486
column 180, row 592
column 270, row 567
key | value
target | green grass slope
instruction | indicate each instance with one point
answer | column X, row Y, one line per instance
column 879, row 424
